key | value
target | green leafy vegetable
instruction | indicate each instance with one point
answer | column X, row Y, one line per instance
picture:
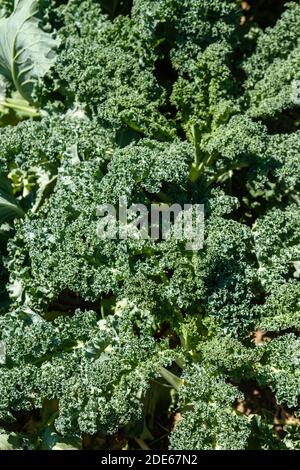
column 9, row 208
column 26, row 51
column 125, row 343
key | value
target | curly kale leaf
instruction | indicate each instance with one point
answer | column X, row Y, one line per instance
column 200, row 36
column 280, row 369
column 276, row 175
column 58, row 249
column 274, row 66
column 281, row 310
column 83, row 363
column 46, row 143
column 209, row 420
column 112, row 75
column 277, row 245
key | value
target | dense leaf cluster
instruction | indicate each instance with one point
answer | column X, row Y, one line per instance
column 161, row 101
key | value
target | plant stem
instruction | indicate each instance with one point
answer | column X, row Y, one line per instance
column 142, row 443
column 19, row 106
column 172, row 379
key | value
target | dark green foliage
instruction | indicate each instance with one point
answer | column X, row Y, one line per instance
column 274, row 66
column 83, row 363
column 172, row 101
column 200, row 54
column 46, row 143
column 108, row 69
column 212, row 422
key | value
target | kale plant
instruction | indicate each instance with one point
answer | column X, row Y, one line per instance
column 124, row 343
